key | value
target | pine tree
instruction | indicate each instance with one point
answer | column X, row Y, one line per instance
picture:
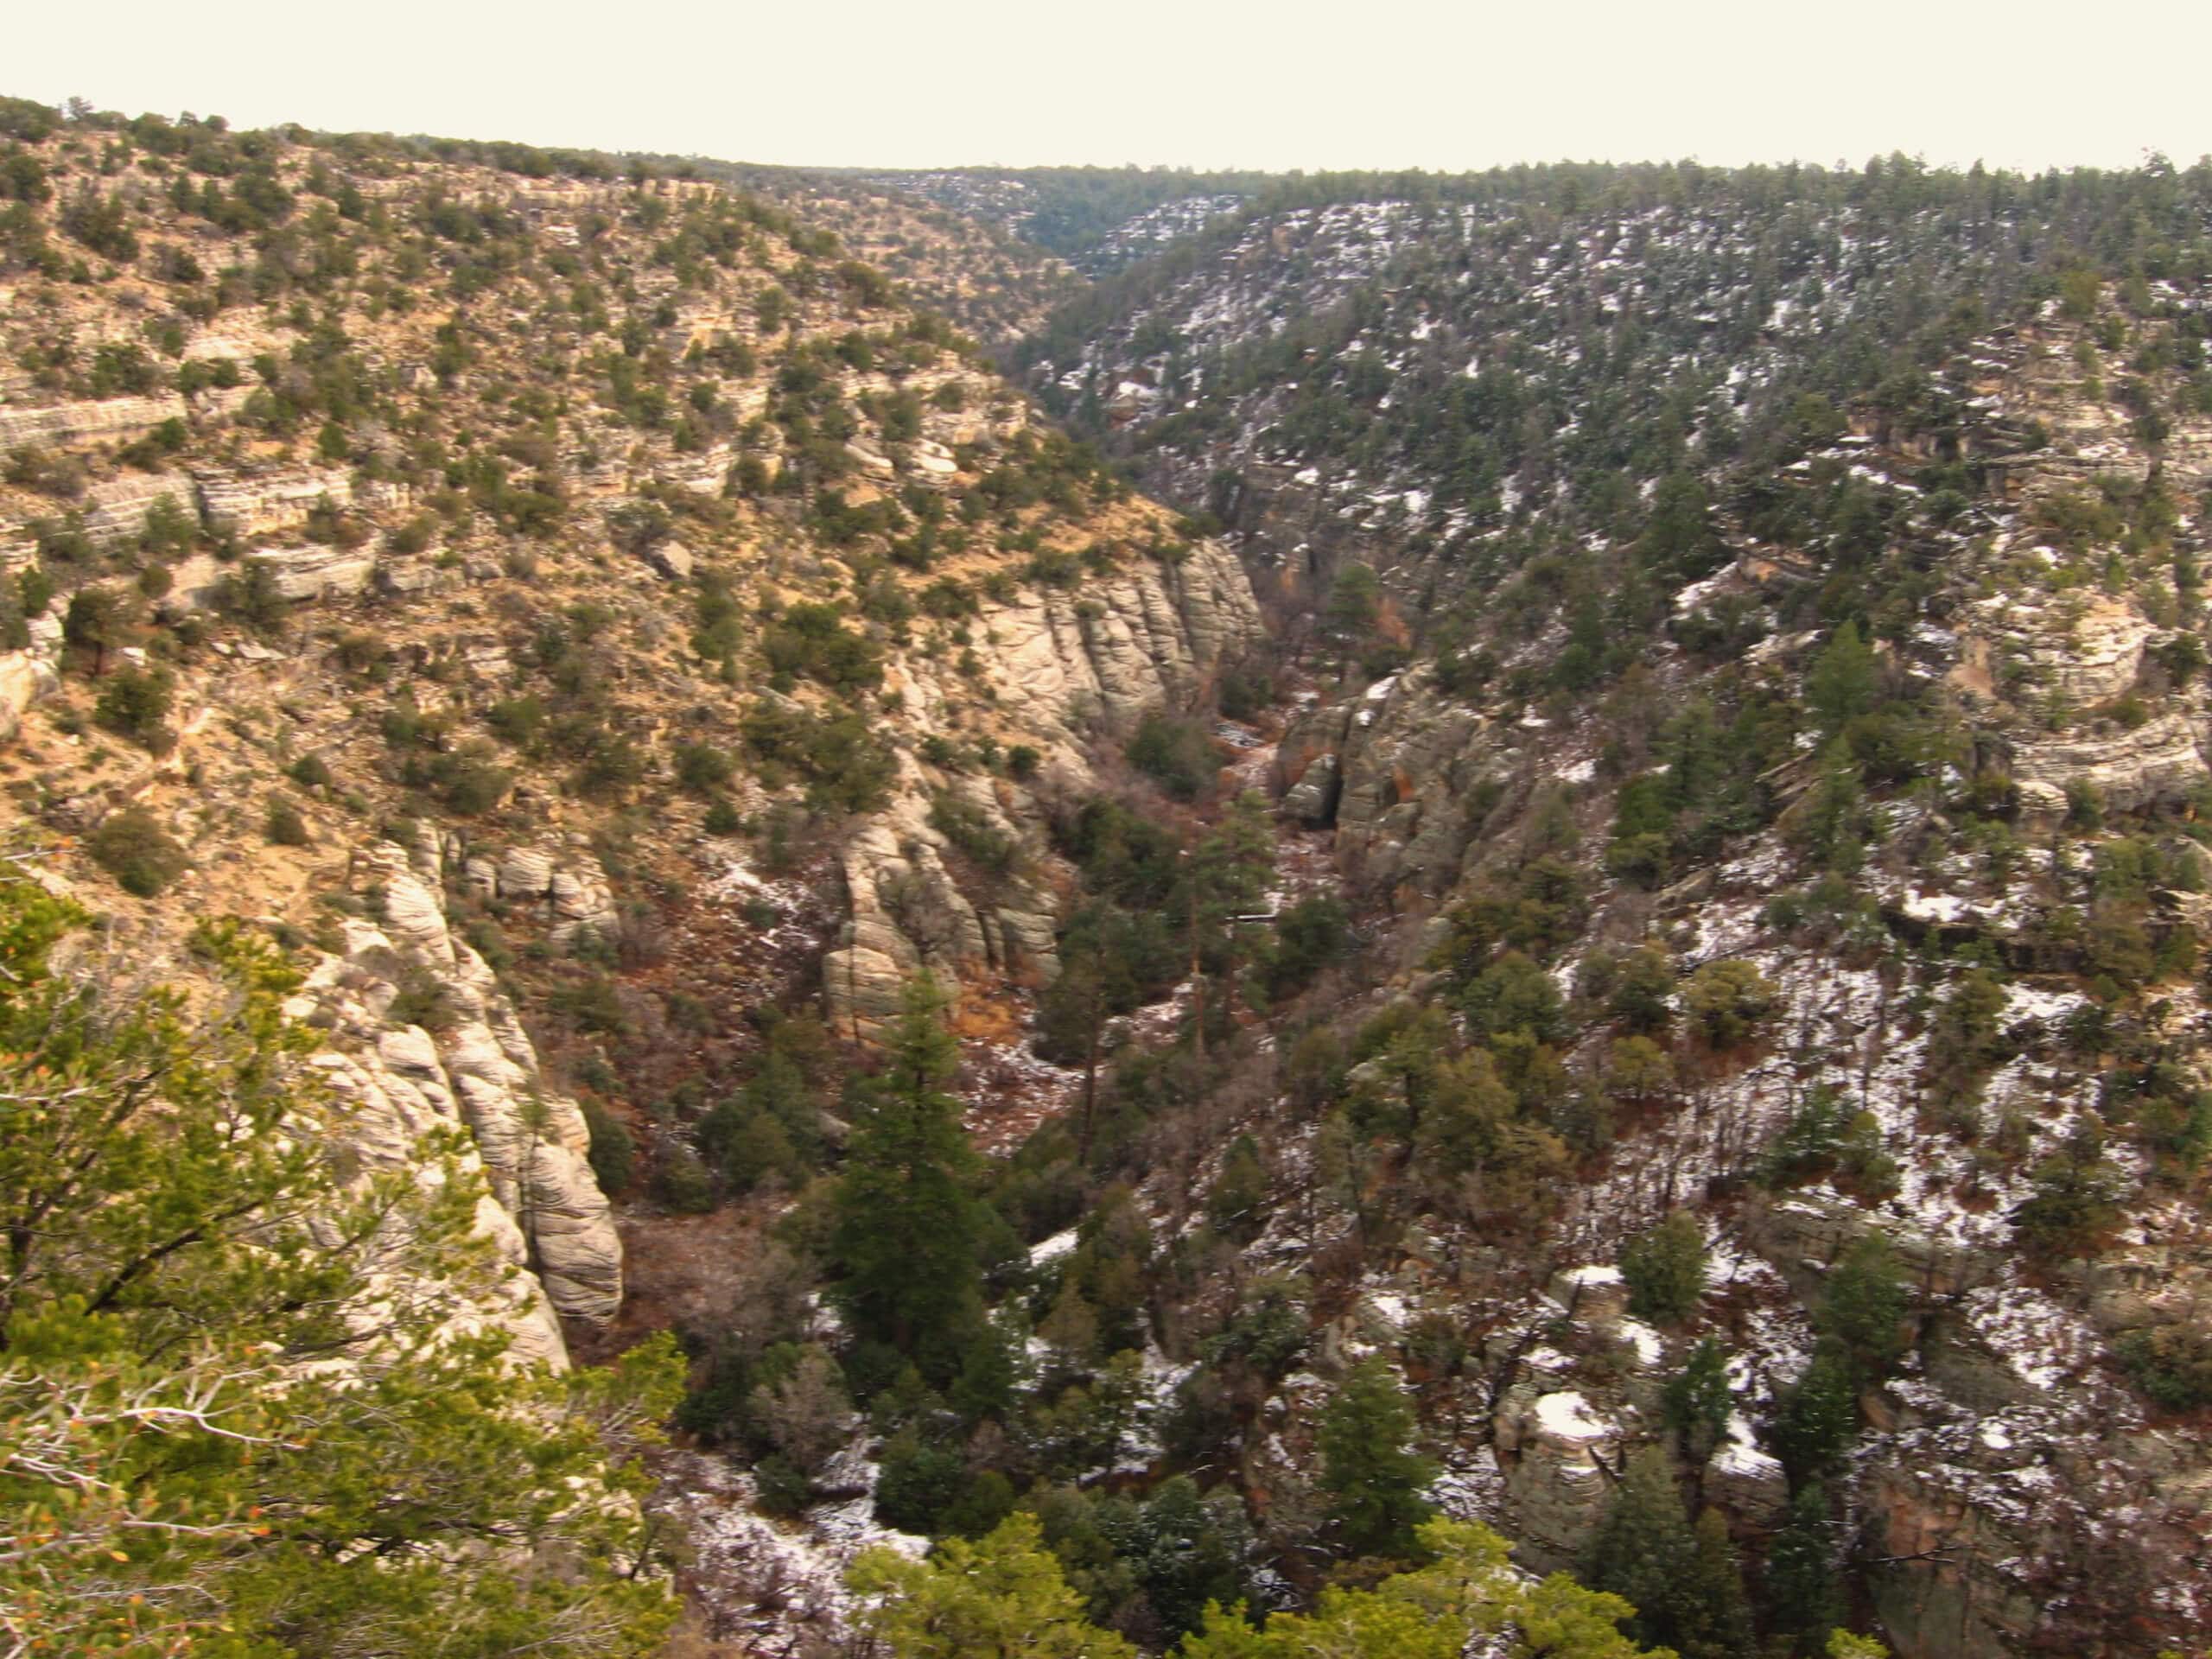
column 1712, row 1616
column 1645, row 1550
column 1863, row 1304
column 1002, row 1597
column 1683, row 1580
column 904, row 1228
column 1368, row 1467
column 1438, row 1611
column 1665, row 1269
column 1227, row 875
column 1818, row 1419
column 1698, row 1400
column 1845, row 683
column 217, row 1413
column 1831, row 828
column 1236, row 1203
column 1802, row 1595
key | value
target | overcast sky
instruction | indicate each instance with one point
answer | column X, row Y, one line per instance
column 1363, row 83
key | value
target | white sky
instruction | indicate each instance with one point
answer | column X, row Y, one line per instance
column 1204, row 83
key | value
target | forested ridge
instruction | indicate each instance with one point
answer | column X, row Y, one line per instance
column 1509, row 950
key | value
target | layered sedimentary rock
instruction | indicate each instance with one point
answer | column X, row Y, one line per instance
column 2162, row 759
column 477, row 1068
column 1055, row 667
column 73, row 422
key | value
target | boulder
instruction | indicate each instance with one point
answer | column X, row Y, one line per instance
column 2160, row 761
column 1554, row 1450
column 25, row 676
column 1313, row 799
column 316, row 572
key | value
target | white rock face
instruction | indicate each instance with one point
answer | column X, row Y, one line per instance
column 1137, row 639
column 477, row 1069
column 308, row 573
column 1550, row 1444
column 2161, row 759
column 569, row 884
column 25, row 676
column 252, row 503
column 1145, row 637
column 2097, row 657
column 101, row 418
column 386, row 1111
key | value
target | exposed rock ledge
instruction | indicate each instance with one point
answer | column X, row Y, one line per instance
column 2160, row 760
column 1055, row 666
column 478, row 1069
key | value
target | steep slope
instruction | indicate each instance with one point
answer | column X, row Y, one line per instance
column 1098, row 220
column 971, row 266
column 1740, row 658
column 1757, row 624
column 450, row 557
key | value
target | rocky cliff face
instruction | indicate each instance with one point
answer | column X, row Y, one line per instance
column 1055, row 671
column 414, row 634
column 1432, row 392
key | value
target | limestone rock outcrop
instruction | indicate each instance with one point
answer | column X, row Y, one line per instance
column 1055, row 667
column 2161, row 759
column 25, row 676
column 2091, row 658
column 567, row 886
column 106, row 417
column 473, row 1064
column 1554, row 1449
column 1390, row 769
column 255, row 504
column 1141, row 638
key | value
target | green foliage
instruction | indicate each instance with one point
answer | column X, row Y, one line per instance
column 1864, row 1304
column 703, row 768
column 1354, row 606
column 810, row 640
column 1824, row 1137
column 1469, row 1593
column 904, row 1231
column 1176, row 753
column 1002, row 1597
column 282, row 825
column 681, row 1180
column 2073, row 1206
column 198, row 1394
column 249, row 596
column 1818, row 1418
column 1844, row 681
column 1727, row 1001
column 1803, row 1593
column 1311, row 935
column 1236, row 1203
column 1698, row 1400
column 1513, row 995
column 1373, row 1477
column 1665, row 1269
column 772, row 1125
column 971, row 829
column 845, row 767
column 614, row 1149
column 1683, row 1581
column 135, row 703
column 2172, row 1364
column 131, row 845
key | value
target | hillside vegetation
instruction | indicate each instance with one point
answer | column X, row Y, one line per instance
column 1509, row 949
column 1755, row 623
